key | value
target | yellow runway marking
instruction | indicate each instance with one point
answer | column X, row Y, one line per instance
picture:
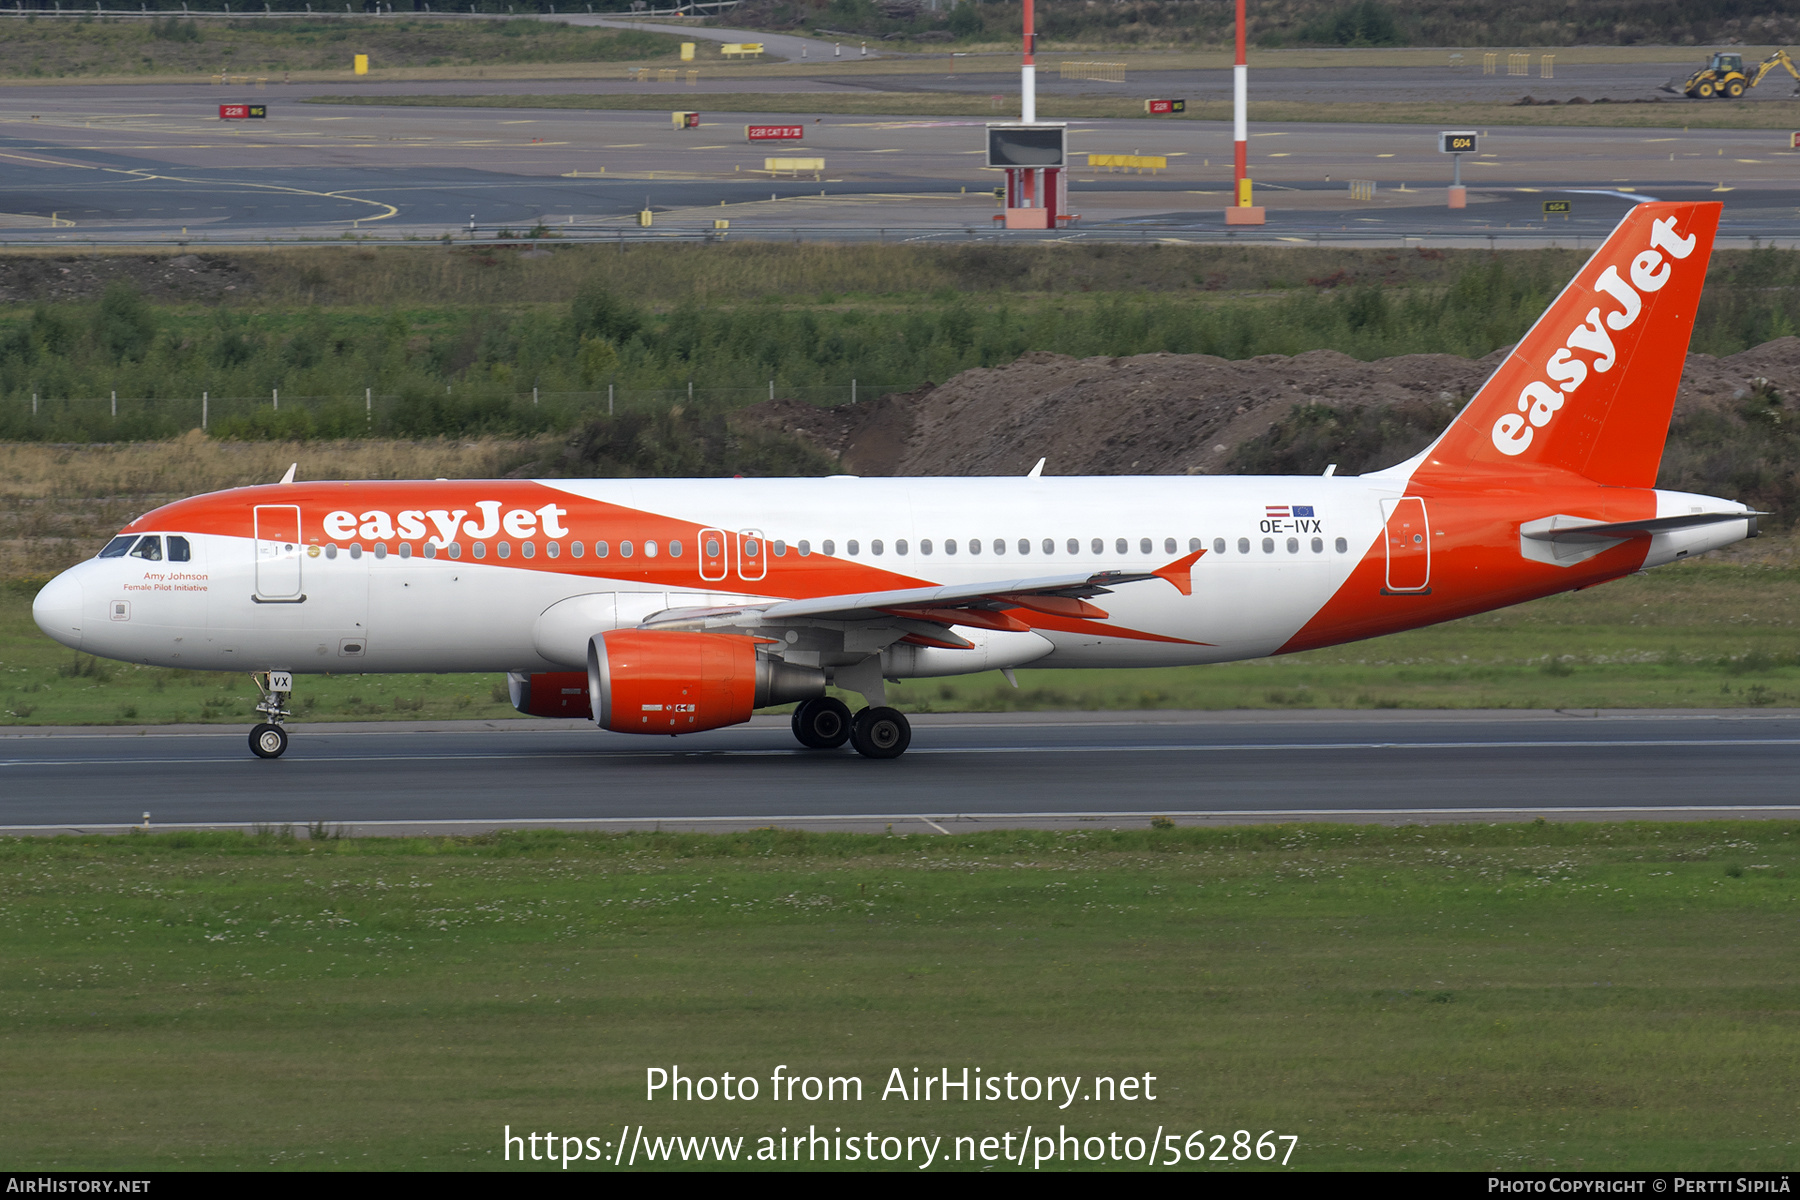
column 50, row 162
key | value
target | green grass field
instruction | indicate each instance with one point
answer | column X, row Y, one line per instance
column 1717, row 114
column 1700, row 635
column 1540, row 997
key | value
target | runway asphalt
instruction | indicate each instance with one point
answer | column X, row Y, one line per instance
column 963, row 772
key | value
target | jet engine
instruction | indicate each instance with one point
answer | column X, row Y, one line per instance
column 648, row 681
column 550, row 693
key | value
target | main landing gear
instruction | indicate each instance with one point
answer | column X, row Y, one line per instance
column 880, row 733
column 822, row 724
column 268, row 739
column 826, row 724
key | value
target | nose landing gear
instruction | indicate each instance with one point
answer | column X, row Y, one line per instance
column 267, row 738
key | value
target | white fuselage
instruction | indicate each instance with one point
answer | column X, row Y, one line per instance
column 1261, row 579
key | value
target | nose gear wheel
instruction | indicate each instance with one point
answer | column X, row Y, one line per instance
column 267, row 738
column 268, row 741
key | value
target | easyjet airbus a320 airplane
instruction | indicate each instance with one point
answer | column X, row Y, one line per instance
column 676, row 605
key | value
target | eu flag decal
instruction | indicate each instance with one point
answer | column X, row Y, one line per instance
column 1303, row 510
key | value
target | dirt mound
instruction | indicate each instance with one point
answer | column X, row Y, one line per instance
column 1153, row 414
column 1166, row 414
column 28, row 278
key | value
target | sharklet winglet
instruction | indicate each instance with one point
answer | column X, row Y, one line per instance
column 1180, row 572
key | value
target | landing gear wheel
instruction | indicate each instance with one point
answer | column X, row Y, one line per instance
column 268, row 741
column 822, row 723
column 880, row 733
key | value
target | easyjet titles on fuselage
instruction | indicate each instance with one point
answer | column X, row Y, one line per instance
column 410, row 523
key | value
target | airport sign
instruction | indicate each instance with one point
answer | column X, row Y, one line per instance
column 1461, row 141
column 1018, row 145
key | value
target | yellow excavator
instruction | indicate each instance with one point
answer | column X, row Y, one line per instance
column 1725, row 76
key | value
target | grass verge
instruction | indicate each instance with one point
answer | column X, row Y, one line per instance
column 1700, row 636
column 36, row 50
column 1537, row 997
column 1712, row 114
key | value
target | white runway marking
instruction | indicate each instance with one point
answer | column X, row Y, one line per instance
column 1152, row 748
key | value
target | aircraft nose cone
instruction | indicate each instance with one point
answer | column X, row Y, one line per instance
column 57, row 610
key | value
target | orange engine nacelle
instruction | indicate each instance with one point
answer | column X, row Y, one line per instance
column 646, row 681
column 550, row 693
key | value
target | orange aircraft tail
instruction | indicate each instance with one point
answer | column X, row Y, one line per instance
column 1591, row 387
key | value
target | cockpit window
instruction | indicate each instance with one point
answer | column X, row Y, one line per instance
column 118, row 546
column 178, row 549
column 149, row 547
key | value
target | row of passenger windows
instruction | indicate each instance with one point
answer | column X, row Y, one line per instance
column 1096, row 547
column 651, row 549
column 149, row 547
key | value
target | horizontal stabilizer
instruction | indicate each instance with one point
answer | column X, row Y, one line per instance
column 1563, row 540
column 1584, row 529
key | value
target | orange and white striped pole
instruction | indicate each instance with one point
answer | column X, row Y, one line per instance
column 1028, row 73
column 1240, row 96
column 1243, row 210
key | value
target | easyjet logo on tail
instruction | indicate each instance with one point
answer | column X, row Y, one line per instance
column 1538, row 401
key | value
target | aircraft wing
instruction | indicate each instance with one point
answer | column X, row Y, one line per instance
column 982, row 605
